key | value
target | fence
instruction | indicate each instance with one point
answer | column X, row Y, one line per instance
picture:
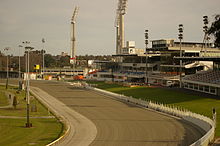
column 205, row 123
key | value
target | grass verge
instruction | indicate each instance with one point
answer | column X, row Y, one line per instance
column 13, row 131
column 21, row 107
column 198, row 104
column 3, row 99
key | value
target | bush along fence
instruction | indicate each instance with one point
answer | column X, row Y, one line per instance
column 205, row 123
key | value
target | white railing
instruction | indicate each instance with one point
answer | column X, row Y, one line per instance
column 205, row 123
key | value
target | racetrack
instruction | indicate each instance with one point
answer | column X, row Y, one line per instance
column 119, row 123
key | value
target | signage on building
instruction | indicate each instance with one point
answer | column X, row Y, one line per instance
column 36, row 66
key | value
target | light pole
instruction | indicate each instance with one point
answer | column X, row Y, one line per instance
column 19, row 61
column 7, row 76
column 180, row 36
column 28, row 124
column 146, row 43
column 43, row 41
column 25, row 77
column 19, row 68
column 205, row 29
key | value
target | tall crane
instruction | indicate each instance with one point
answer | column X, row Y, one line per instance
column 119, row 24
column 73, row 39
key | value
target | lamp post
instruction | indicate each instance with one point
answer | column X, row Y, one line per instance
column 19, row 61
column 43, row 41
column 146, row 43
column 7, row 76
column 28, row 124
column 25, row 44
column 27, row 49
column 180, row 36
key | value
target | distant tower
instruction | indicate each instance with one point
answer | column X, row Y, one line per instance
column 73, row 39
column 119, row 24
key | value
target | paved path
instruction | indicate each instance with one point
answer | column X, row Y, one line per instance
column 117, row 123
column 16, row 117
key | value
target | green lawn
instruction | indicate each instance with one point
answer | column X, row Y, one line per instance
column 13, row 131
column 3, row 99
column 194, row 103
column 21, row 107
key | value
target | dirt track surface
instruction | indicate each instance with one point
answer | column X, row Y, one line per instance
column 122, row 124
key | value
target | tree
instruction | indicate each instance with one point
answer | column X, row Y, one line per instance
column 64, row 61
column 215, row 30
column 15, row 101
column 49, row 60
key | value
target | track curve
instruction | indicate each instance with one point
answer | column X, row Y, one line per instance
column 120, row 123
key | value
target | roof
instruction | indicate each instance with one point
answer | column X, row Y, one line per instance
column 198, row 58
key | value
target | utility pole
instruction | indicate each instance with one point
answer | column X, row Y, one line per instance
column 146, row 49
column 180, row 36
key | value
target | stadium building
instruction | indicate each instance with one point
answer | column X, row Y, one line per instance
column 160, row 65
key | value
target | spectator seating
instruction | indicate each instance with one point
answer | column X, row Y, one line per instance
column 212, row 77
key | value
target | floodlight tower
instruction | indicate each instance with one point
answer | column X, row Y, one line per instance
column 73, row 39
column 180, row 37
column 117, row 31
column 205, row 29
column 119, row 24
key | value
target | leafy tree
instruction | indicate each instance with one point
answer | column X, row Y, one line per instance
column 215, row 30
column 64, row 61
column 15, row 101
column 49, row 60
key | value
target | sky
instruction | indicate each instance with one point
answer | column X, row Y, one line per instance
column 32, row 20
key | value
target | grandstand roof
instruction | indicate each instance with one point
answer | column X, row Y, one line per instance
column 198, row 58
column 210, row 77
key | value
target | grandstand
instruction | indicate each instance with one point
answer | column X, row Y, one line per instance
column 160, row 78
column 205, row 81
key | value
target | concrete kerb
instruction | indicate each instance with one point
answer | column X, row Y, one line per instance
column 204, row 122
column 61, row 119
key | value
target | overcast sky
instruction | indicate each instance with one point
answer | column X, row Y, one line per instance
column 32, row 20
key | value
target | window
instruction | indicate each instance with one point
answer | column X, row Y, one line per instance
column 213, row 90
column 191, row 85
column 196, row 86
column 186, row 85
column 201, row 87
column 207, row 88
